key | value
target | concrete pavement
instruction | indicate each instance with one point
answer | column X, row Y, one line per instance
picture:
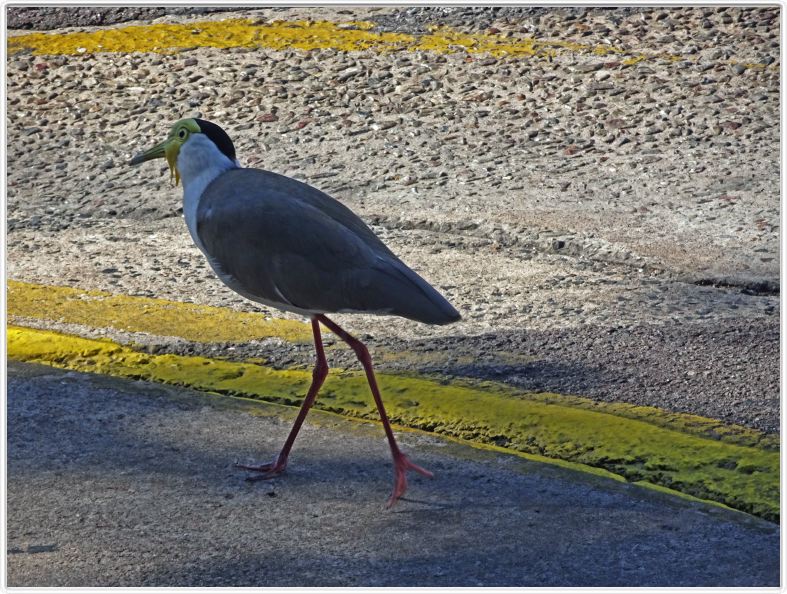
column 596, row 190
column 120, row 483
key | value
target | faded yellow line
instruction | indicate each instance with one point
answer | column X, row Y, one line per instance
column 716, row 468
column 98, row 309
column 167, row 37
column 308, row 35
column 702, row 457
column 304, row 35
column 201, row 323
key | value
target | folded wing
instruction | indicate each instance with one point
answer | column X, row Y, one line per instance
column 279, row 241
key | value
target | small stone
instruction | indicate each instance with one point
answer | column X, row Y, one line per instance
column 47, row 548
column 589, row 67
column 730, row 125
column 383, row 125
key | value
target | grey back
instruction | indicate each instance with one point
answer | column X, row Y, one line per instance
column 278, row 240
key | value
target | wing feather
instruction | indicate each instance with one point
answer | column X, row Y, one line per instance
column 272, row 238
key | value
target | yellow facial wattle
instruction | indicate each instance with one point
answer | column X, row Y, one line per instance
column 171, row 151
column 170, row 148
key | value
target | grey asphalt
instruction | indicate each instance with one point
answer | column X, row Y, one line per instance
column 120, row 483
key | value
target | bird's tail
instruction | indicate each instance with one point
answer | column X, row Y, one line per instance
column 412, row 297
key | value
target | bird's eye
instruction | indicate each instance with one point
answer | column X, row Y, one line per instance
column 182, row 133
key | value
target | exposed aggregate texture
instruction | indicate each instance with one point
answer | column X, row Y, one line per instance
column 594, row 200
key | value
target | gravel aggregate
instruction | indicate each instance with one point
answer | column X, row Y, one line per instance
column 521, row 145
column 54, row 17
column 559, row 198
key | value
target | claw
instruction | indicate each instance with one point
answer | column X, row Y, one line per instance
column 260, row 468
column 262, row 477
column 401, row 465
column 269, row 470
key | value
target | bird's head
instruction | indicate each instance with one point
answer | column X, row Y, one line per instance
column 190, row 132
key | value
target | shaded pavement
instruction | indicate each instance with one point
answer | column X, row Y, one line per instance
column 112, row 482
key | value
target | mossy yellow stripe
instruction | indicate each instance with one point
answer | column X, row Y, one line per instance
column 304, row 35
column 201, row 323
column 98, row 309
column 166, row 38
column 739, row 476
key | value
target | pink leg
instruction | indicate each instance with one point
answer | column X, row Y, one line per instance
column 318, row 377
column 401, row 463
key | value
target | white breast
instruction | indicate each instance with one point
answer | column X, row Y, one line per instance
column 199, row 163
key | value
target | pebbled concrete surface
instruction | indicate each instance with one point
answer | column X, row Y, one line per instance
column 606, row 229
column 117, row 483
column 571, row 192
column 48, row 18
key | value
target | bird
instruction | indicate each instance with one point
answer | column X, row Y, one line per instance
column 282, row 243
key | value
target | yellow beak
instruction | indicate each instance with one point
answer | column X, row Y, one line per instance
column 168, row 149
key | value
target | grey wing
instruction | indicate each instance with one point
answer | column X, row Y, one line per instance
column 281, row 187
column 280, row 249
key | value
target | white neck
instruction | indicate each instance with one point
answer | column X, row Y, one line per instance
column 199, row 163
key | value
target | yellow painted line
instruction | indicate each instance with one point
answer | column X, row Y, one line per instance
column 308, row 35
column 201, row 323
column 166, row 37
column 721, row 469
column 303, row 35
column 98, row 309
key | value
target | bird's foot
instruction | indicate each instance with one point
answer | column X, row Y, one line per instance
column 401, row 465
column 268, row 471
